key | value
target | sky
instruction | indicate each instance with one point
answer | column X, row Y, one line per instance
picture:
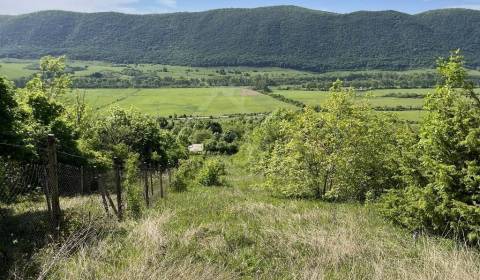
column 13, row 7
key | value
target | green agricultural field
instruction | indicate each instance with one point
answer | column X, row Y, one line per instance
column 376, row 98
column 15, row 69
column 190, row 101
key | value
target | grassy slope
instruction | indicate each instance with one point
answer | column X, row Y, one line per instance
column 190, row 101
column 241, row 232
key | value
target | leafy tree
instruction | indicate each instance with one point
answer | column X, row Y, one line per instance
column 120, row 132
column 346, row 152
column 11, row 129
column 444, row 197
column 186, row 173
column 200, row 136
column 262, row 83
column 45, row 114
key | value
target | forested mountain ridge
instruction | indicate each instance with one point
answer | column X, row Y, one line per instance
column 284, row 36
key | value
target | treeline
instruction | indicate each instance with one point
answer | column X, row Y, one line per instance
column 367, row 80
column 425, row 177
column 130, row 77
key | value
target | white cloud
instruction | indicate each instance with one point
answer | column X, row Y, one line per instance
column 168, row 3
column 13, row 7
column 468, row 6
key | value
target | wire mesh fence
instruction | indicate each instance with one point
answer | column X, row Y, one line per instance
column 155, row 182
column 84, row 191
column 42, row 201
column 20, row 179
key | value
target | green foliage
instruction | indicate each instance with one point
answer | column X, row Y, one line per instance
column 11, row 116
column 43, row 113
column 443, row 196
column 211, row 172
column 346, row 152
column 225, row 37
column 262, row 84
column 5, row 193
column 218, row 137
column 186, row 173
column 200, row 136
column 120, row 132
column 134, row 196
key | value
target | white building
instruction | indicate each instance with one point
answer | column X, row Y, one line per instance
column 195, row 148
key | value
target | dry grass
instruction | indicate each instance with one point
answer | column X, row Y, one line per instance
column 242, row 233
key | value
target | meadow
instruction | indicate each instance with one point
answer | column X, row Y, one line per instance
column 17, row 68
column 374, row 97
column 214, row 101
column 226, row 101
column 188, row 101
column 245, row 233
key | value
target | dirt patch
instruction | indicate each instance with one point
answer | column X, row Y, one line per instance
column 248, row 92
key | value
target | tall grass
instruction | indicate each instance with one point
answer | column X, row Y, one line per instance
column 241, row 232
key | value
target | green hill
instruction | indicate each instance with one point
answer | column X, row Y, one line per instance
column 284, row 36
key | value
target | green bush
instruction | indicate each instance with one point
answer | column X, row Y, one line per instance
column 442, row 194
column 185, row 174
column 347, row 152
column 425, row 209
column 134, row 195
column 4, row 190
column 211, row 173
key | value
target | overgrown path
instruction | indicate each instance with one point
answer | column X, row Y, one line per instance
column 241, row 232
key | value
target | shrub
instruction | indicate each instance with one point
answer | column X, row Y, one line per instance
column 179, row 182
column 443, row 195
column 344, row 153
column 185, row 174
column 5, row 194
column 134, row 194
column 211, row 173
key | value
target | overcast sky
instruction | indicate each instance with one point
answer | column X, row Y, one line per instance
column 164, row 6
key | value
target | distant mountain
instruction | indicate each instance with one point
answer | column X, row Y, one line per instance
column 284, row 36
